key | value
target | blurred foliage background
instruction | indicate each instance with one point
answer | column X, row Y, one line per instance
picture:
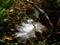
column 13, row 12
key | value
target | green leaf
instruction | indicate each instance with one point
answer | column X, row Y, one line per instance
column 5, row 3
column 2, row 13
column 58, row 1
